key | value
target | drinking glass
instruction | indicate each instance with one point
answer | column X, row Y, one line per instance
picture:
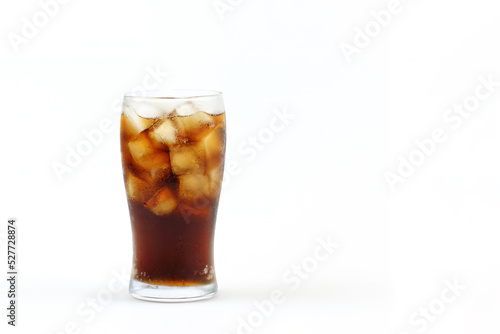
column 173, row 145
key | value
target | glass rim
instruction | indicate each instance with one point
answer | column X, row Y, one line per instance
column 173, row 94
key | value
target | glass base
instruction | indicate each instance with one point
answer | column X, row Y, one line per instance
column 171, row 294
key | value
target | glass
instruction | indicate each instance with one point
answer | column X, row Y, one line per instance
column 173, row 145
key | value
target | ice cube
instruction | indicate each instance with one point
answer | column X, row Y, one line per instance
column 151, row 109
column 141, row 147
column 152, row 164
column 133, row 124
column 193, row 186
column 157, row 165
column 187, row 159
column 214, row 145
column 162, row 202
column 166, row 132
column 137, row 189
column 186, row 109
column 197, row 125
column 215, row 178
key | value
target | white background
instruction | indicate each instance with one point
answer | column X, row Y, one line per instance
column 323, row 175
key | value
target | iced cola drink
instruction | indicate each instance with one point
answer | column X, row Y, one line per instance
column 173, row 148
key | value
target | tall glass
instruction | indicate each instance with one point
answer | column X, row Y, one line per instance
column 173, row 146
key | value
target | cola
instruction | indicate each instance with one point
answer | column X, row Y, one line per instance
column 173, row 162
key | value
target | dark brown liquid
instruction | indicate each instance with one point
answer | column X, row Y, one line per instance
column 176, row 249
column 173, row 211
